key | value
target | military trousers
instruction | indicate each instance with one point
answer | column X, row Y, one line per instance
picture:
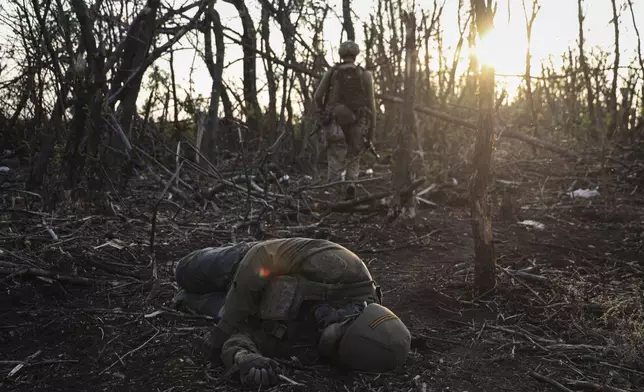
column 345, row 147
column 204, row 276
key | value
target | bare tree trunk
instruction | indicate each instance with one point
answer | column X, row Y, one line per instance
column 134, row 56
column 639, row 41
column 217, row 86
column 227, row 104
column 484, row 267
column 92, row 88
column 590, row 95
column 49, row 137
column 404, row 204
column 253, row 111
column 612, row 101
column 571, row 91
column 215, row 69
column 271, row 121
column 528, row 64
column 347, row 24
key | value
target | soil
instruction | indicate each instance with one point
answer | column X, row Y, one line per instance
column 580, row 319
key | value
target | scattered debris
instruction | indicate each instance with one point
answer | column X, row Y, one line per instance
column 533, row 224
column 584, row 193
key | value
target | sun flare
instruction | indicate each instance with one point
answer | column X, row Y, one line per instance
column 490, row 50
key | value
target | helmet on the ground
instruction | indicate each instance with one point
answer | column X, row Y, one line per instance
column 376, row 341
column 348, row 49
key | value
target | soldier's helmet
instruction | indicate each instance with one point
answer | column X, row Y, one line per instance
column 348, row 48
column 377, row 341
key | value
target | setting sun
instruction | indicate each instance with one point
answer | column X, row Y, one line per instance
column 503, row 48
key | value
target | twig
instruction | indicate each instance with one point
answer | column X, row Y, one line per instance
column 290, row 381
column 426, row 190
column 622, row 368
column 22, row 364
column 523, row 284
column 44, row 362
column 129, row 353
column 155, row 268
column 340, row 182
column 529, row 276
column 550, row 381
column 249, row 207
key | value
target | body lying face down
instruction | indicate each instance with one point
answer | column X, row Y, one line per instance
column 290, row 297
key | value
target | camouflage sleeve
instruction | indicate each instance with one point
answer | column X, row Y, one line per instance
column 371, row 98
column 239, row 341
column 320, row 92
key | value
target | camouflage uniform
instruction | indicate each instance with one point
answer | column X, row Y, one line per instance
column 345, row 143
column 204, row 277
column 298, row 292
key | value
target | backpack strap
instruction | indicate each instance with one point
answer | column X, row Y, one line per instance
column 328, row 89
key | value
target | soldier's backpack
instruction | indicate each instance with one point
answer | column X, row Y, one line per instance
column 350, row 93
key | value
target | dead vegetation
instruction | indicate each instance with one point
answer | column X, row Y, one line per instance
column 98, row 200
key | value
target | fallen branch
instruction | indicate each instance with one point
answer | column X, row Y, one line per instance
column 412, row 242
column 348, row 204
column 593, row 387
column 550, row 381
column 37, row 272
column 473, row 127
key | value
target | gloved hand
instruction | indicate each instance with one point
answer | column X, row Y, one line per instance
column 256, row 370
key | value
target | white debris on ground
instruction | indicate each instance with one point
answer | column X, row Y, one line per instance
column 533, row 224
column 369, row 172
column 584, row 193
column 4, row 170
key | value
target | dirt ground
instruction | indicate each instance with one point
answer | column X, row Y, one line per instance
column 573, row 314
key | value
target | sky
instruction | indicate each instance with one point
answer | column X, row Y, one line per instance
column 555, row 29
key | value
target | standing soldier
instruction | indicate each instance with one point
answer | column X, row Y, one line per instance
column 345, row 98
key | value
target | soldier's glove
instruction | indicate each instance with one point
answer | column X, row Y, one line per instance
column 256, row 370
